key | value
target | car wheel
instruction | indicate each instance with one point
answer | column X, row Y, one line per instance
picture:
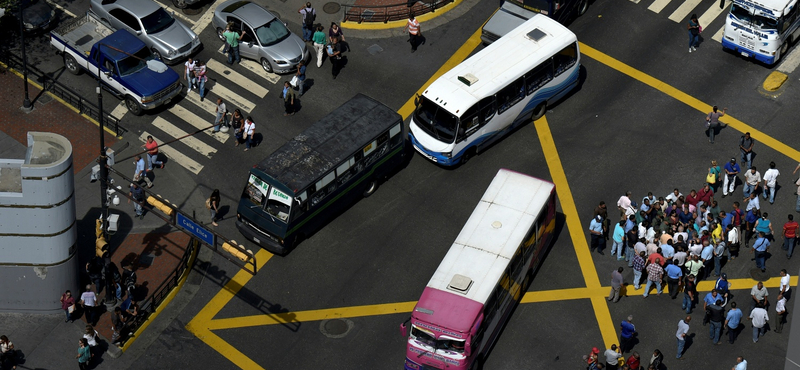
column 265, row 64
column 220, row 35
column 133, row 106
column 71, row 65
column 157, row 55
column 180, row 4
column 584, row 5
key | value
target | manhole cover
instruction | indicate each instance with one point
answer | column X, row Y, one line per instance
column 757, row 275
column 336, row 328
column 331, row 8
column 192, row 11
column 374, row 49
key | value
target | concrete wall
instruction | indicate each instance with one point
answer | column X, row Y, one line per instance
column 38, row 226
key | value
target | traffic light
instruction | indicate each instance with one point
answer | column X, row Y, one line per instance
column 101, row 246
column 161, row 206
column 236, row 250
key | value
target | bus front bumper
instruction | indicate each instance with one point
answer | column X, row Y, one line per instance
column 262, row 240
column 433, row 156
column 747, row 53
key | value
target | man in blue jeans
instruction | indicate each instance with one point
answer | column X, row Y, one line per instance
column 746, row 149
column 689, row 293
column 760, row 247
column 683, row 330
column 232, row 39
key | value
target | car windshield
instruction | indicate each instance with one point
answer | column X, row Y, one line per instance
column 157, row 21
column 744, row 15
column 427, row 338
column 134, row 63
column 272, row 32
column 436, row 121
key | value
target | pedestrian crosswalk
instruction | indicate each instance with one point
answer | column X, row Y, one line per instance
column 239, row 88
column 680, row 11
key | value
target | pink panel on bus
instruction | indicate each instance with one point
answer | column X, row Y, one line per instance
column 450, row 310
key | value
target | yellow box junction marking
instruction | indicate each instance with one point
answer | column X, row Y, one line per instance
column 203, row 324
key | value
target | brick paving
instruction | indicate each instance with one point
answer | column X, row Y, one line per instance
column 392, row 8
column 48, row 115
column 162, row 251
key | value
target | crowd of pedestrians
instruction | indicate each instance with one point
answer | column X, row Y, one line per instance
column 678, row 240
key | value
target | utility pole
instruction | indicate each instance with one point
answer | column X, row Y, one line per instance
column 26, row 103
column 103, row 158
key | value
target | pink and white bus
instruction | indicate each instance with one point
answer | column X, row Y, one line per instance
column 483, row 276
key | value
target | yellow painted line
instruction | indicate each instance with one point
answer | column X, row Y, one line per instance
column 369, row 26
column 62, row 101
column 576, row 231
column 558, row 295
column 312, row 315
column 687, row 99
column 453, row 61
column 200, row 323
column 167, row 300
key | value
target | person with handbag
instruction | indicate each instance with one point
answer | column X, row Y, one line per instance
column 714, row 175
column 237, row 121
column 694, row 34
column 288, row 99
column 300, row 77
column 249, row 130
column 712, row 119
column 68, row 305
column 140, row 175
column 213, row 206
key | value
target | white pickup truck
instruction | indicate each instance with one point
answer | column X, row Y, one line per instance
column 125, row 65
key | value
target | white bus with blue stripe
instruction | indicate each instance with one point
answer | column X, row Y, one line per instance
column 510, row 82
column 762, row 29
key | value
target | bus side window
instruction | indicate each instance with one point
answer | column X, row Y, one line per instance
column 510, row 95
column 565, row 59
column 488, row 108
column 539, row 76
column 789, row 18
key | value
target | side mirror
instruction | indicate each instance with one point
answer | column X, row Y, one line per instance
column 403, row 330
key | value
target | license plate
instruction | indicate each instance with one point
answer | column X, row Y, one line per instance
column 256, row 240
column 745, row 54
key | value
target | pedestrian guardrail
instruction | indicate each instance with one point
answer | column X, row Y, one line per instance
column 65, row 93
column 386, row 13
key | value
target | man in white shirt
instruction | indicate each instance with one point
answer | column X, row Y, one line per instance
column 759, row 318
column 733, row 242
column 770, row 179
column 673, row 197
column 751, row 180
column 780, row 309
column 752, row 202
column 785, row 287
column 741, row 364
column 683, row 330
column 624, row 205
column 89, row 300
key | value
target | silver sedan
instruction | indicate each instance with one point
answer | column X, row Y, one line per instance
column 266, row 38
column 168, row 38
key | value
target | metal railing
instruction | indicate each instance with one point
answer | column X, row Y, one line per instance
column 149, row 305
column 65, row 93
column 393, row 12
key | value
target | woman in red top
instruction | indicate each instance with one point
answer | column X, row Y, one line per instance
column 152, row 153
column 67, row 301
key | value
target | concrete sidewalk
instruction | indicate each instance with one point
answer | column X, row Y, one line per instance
column 150, row 245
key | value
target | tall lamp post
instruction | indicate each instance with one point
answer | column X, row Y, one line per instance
column 103, row 157
column 26, row 104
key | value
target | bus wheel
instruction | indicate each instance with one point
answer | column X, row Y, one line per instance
column 371, row 187
column 539, row 111
column 785, row 48
column 467, row 156
column 583, row 7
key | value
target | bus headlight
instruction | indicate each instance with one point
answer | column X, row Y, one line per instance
column 448, row 154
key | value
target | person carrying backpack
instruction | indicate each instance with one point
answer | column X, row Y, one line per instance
column 309, row 15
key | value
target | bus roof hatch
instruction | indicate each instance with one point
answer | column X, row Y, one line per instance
column 536, row 35
column 460, row 284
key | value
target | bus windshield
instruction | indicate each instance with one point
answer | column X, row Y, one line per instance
column 444, row 343
column 436, row 121
column 278, row 203
column 745, row 15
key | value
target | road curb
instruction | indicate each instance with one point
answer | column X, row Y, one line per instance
column 774, row 85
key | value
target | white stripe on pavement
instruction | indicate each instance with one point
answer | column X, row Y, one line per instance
column 175, row 156
column 712, row 13
column 684, row 10
column 231, row 99
column 119, row 110
column 718, row 36
column 790, row 62
column 658, row 5
column 206, row 105
column 198, row 122
column 191, row 141
column 205, row 20
column 255, row 68
column 237, row 78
